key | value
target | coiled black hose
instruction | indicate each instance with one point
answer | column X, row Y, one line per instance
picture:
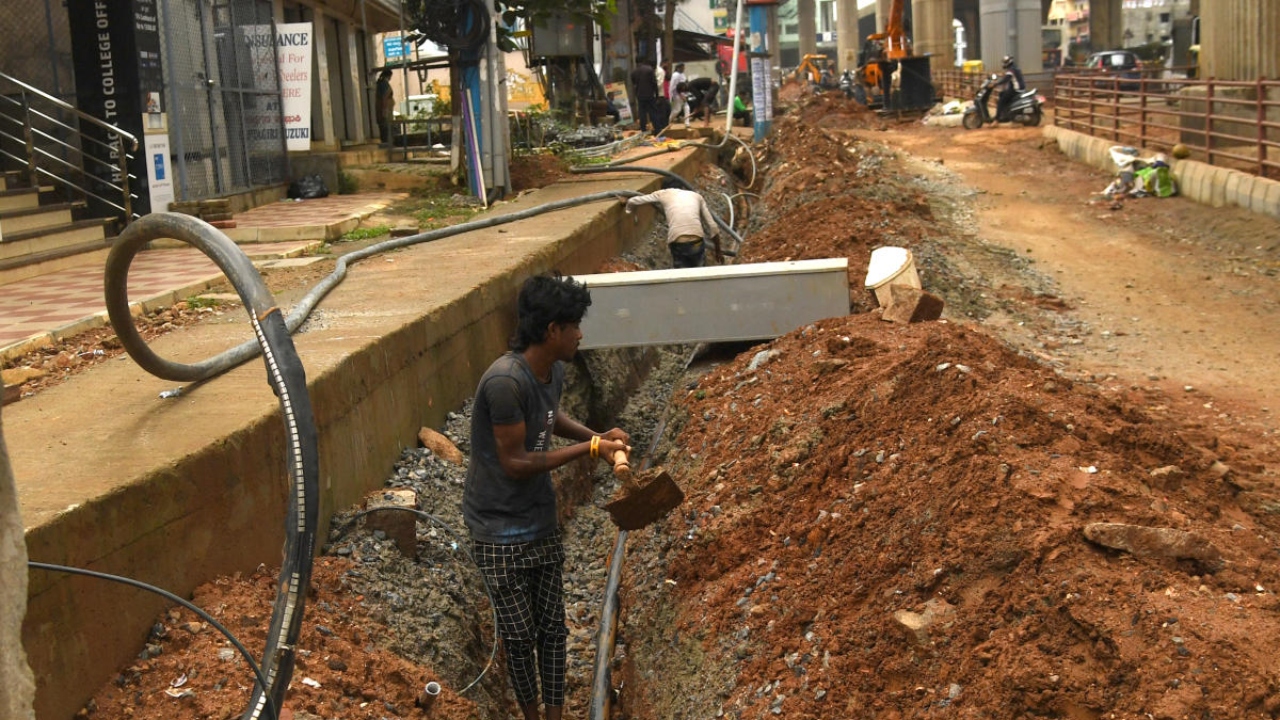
column 288, row 380
column 118, row 300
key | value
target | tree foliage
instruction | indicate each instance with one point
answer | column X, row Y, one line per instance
column 462, row 24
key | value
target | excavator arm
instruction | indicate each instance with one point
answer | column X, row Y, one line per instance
column 894, row 41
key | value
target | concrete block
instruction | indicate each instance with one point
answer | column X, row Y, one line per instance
column 240, row 235
column 1217, row 186
column 26, row 345
column 912, row 305
column 287, row 234
column 1243, row 194
column 336, row 230
column 1193, row 180
column 1271, row 206
column 400, row 526
column 72, row 329
column 159, row 302
column 1231, row 185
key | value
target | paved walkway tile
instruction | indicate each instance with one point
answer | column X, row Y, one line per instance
column 320, row 211
column 40, row 305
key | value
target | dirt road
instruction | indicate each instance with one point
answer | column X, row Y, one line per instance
column 1163, row 291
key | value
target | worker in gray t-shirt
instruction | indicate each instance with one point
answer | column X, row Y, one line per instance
column 509, row 502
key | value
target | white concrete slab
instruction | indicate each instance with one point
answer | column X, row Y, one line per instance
column 712, row 304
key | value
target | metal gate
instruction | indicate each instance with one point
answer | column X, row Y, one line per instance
column 226, row 127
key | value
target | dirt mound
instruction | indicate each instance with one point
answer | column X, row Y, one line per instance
column 883, row 521
column 831, row 194
column 534, row 170
column 832, row 110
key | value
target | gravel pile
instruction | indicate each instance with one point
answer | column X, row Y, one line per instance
column 434, row 610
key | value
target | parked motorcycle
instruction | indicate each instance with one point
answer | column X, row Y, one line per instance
column 1024, row 110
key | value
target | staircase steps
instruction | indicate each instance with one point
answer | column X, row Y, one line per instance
column 34, row 218
column 38, row 237
column 18, row 199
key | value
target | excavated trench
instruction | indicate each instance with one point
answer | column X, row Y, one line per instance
column 432, row 610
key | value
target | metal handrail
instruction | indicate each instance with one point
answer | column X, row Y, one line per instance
column 37, row 171
column 1233, row 124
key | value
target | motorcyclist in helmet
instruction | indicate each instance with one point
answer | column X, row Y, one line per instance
column 1012, row 83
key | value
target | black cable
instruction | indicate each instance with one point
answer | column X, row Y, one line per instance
column 244, row 652
column 602, row 677
column 341, row 530
column 288, row 381
column 117, row 299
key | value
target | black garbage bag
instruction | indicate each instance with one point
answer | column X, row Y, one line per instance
column 308, row 187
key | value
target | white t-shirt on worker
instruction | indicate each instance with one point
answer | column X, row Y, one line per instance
column 687, row 213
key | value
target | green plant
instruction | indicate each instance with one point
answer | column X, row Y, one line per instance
column 347, row 183
column 365, row 233
column 196, row 302
column 434, row 218
column 578, row 160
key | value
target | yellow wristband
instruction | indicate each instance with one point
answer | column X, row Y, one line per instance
column 595, row 446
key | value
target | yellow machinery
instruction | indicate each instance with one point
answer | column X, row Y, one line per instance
column 817, row 69
column 892, row 77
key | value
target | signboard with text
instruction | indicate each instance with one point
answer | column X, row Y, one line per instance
column 292, row 48
column 393, row 47
column 115, row 48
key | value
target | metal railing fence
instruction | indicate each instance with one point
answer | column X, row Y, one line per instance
column 222, row 95
column 41, row 136
column 1234, row 124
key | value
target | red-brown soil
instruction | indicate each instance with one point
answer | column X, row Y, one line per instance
column 888, row 521
column 341, row 671
column 868, row 469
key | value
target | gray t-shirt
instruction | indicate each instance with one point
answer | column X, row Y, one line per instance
column 499, row 509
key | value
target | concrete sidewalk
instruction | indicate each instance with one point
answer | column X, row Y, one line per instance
column 39, row 311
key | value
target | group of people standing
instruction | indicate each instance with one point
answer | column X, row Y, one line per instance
column 661, row 100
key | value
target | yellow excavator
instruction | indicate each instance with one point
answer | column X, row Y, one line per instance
column 891, row 77
column 817, row 69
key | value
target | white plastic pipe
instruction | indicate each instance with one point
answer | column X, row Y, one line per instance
column 733, row 69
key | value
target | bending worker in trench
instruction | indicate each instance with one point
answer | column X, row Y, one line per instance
column 689, row 225
column 509, row 503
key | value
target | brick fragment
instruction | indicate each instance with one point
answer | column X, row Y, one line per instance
column 912, row 305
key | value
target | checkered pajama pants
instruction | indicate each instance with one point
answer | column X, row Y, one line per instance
column 526, row 586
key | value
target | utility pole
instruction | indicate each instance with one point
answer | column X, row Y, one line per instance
column 761, row 67
column 18, row 689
